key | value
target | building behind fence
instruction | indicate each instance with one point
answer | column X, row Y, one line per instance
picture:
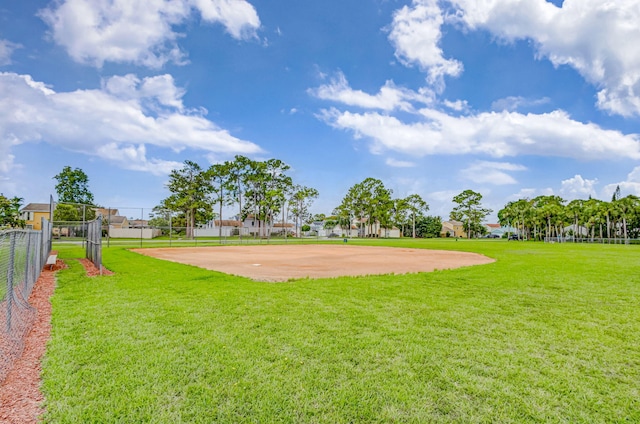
column 22, row 256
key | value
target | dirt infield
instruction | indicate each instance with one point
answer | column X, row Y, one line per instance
column 285, row 262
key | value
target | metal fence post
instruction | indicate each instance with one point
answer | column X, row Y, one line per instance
column 27, row 264
column 12, row 248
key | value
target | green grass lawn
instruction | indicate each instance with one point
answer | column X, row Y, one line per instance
column 548, row 333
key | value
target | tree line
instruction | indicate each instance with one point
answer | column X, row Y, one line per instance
column 258, row 189
column 547, row 217
column 371, row 205
column 264, row 191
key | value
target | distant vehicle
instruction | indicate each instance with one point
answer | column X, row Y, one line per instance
column 515, row 237
column 333, row 235
column 492, row 236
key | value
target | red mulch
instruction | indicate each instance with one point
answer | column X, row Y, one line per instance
column 93, row 270
column 20, row 396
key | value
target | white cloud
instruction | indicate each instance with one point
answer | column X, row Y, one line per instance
column 489, row 133
column 159, row 90
column 238, row 16
column 597, row 38
column 388, row 98
column 114, row 123
column 491, row 172
column 513, row 103
column 578, row 188
column 415, row 33
column 458, row 105
column 138, row 31
column 630, row 186
column 399, row 163
column 6, row 50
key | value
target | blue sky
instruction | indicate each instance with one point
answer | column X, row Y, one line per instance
column 510, row 98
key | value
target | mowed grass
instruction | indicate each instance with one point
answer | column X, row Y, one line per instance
column 547, row 333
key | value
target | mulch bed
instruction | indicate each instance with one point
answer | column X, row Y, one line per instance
column 20, row 396
column 92, row 270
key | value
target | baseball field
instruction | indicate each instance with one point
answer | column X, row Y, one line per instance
column 525, row 332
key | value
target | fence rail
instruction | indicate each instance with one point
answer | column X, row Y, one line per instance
column 22, row 256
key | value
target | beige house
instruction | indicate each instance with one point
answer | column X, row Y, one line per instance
column 118, row 222
column 105, row 212
column 33, row 213
column 453, row 229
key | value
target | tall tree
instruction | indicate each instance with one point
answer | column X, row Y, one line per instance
column 627, row 208
column 223, row 182
column 190, row 189
column 266, row 183
column 370, row 202
column 238, row 175
column 300, row 199
column 417, row 206
column 469, row 210
column 552, row 210
column 10, row 212
column 401, row 214
column 73, row 186
column 428, row 226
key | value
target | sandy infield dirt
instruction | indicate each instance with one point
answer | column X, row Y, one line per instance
column 284, row 262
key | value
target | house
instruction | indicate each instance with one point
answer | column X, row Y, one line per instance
column 375, row 229
column 453, row 229
column 577, row 231
column 105, row 212
column 115, row 221
column 33, row 213
column 494, row 229
column 229, row 227
column 280, row 228
column 138, row 223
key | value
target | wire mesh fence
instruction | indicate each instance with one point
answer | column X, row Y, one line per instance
column 22, row 256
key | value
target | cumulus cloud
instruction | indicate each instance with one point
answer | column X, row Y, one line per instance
column 629, row 186
column 389, row 97
column 115, row 123
column 496, row 134
column 6, row 50
column 491, row 172
column 578, row 188
column 415, row 33
column 597, row 38
column 138, row 31
column 458, row 105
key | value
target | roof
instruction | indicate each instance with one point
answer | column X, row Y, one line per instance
column 452, row 222
column 36, row 207
column 227, row 223
column 106, row 211
column 281, row 225
column 115, row 219
column 494, row 225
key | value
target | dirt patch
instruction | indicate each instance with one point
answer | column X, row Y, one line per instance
column 285, row 262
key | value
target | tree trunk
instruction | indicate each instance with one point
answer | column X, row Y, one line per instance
column 414, row 225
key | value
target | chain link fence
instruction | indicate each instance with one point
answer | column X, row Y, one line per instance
column 23, row 253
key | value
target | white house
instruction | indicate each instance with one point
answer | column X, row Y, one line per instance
column 229, row 228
